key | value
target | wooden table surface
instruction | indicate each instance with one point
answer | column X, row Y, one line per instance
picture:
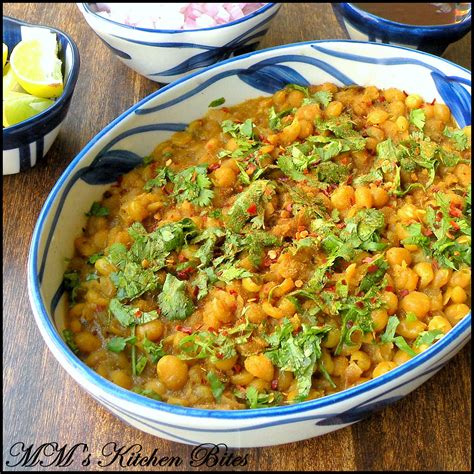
column 430, row 429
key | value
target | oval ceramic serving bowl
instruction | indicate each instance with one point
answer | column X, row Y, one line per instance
column 120, row 146
column 166, row 55
column 27, row 142
column 364, row 26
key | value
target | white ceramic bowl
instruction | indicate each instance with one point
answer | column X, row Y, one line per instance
column 134, row 134
column 166, row 55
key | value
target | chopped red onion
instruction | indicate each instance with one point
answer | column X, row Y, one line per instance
column 175, row 16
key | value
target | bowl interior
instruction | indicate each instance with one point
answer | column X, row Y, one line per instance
column 123, row 143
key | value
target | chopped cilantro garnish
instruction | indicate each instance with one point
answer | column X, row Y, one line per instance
column 428, row 337
column 193, row 185
column 417, row 117
column 118, row 344
column 399, row 341
column 217, row 102
column 296, row 353
column 217, row 386
column 174, row 302
column 69, row 339
column 72, row 282
column 97, row 210
column 93, row 258
column 459, row 138
column 129, row 316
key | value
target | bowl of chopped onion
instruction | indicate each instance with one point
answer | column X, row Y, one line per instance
column 166, row 41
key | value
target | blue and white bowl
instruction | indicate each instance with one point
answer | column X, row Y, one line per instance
column 121, row 146
column 27, row 142
column 166, row 55
column 363, row 26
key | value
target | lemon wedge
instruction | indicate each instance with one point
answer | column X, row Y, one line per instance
column 18, row 107
column 9, row 81
column 5, row 54
column 37, row 67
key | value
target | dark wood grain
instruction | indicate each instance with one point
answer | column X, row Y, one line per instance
column 430, row 429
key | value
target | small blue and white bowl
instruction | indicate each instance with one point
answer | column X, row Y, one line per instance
column 166, row 55
column 363, row 26
column 121, row 146
column 27, row 142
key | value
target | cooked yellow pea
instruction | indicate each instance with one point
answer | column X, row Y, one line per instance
column 455, row 312
column 121, row 378
column 417, row 303
column 461, row 278
column 361, row 359
column 377, row 116
column 364, row 197
column 260, row 366
column 379, row 319
column 86, row 341
column 440, row 323
column 410, row 329
column 391, row 301
column 343, row 197
column 398, row 255
column 383, row 367
column 413, row 101
column 172, row 371
column 425, row 271
column 401, row 357
column 153, row 330
column 458, row 295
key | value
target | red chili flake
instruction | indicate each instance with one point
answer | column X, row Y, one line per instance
column 403, row 293
column 165, row 190
column 185, row 329
column 182, row 258
column 237, row 368
column 267, row 262
column 211, row 329
column 331, row 288
column 220, row 355
column 372, row 268
column 341, row 225
column 138, row 313
column 439, row 216
column 252, row 209
column 433, row 102
column 349, row 179
column 185, row 274
column 289, row 207
column 99, row 307
column 195, row 291
column 274, row 384
column 213, row 167
column 343, row 281
column 427, row 232
column 449, row 235
column 382, row 98
column 233, row 292
column 361, row 293
column 367, row 260
column 389, row 288
column 435, row 189
column 405, row 92
column 454, row 211
column 373, row 300
column 224, row 332
column 360, row 304
column 435, row 265
column 454, row 225
column 225, row 109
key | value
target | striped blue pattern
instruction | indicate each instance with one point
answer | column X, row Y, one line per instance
column 120, row 146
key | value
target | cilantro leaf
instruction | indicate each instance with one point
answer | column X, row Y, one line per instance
column 332, row 173
column 162, row 177
column 118, row 344
column 193, row 185
column 72, row 282
column 320, row 97
column 296, row 353
column 428, row 337
column 129, row 316
column 399, row 341
column 217, row 386
column 274, row 118
column 173, row 300
column 228, row 272
column 259, row 400
column 68, row 336
column 93, row 258
column 97, row 210
column 243, row 208
column 217, row 102
column 147, row 393
column 417, row 117
column 459, row 138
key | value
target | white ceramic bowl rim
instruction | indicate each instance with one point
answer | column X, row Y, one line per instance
column 426, row 28
column 152, row 30
column 75, row 365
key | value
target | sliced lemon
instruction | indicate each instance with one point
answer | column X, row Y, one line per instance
column 37, row 67
column 18, row 107
column 9, row 81
column 5, row 54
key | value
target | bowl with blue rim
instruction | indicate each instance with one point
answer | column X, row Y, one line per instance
column 122, row 145
column 164, row 55
column 362, row 25
column 28, row 142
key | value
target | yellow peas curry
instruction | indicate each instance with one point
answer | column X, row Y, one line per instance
column 278, row 251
